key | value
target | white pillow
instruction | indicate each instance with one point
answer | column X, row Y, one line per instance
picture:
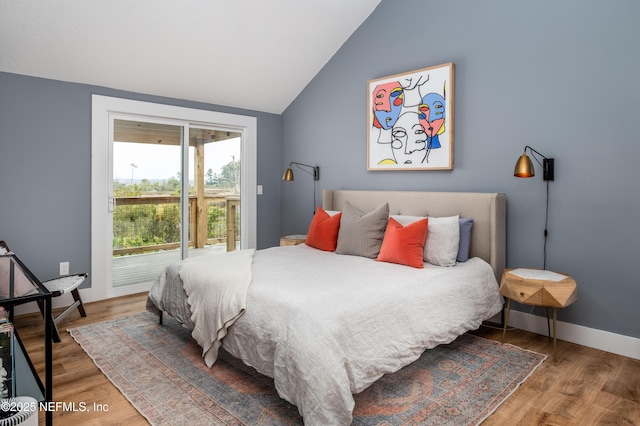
column 443, row 238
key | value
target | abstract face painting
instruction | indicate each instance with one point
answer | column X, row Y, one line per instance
column 409, row 140
column 432, row 114
column 410, row 124
column 387, row 103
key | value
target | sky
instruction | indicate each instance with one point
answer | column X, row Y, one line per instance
column 160, row 162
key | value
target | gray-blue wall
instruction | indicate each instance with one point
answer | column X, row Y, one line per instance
column 45, row 170
column 561, row 76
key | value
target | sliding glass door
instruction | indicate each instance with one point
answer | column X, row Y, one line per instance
column 175, row 187
column 215, row 190
column 149, row 229
column 147, row 197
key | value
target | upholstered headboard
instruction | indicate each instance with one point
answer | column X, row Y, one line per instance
column 488, row 210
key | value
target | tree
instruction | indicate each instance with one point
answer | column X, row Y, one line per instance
column 229, row 176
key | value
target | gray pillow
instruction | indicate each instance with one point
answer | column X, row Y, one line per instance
column 361, row 233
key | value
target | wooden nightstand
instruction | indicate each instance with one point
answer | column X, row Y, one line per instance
column 292, row 240
column 538, row 288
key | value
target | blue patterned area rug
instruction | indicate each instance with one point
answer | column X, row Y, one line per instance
column 160, row 371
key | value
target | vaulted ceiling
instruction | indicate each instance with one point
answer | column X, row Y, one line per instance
column 254, row 54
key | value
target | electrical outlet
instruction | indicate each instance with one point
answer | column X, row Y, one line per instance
column 64, row 268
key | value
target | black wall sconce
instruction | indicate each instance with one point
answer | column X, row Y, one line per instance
column 312, row 170
column 524, row 166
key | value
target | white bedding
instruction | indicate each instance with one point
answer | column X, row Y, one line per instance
column 216, row 300
column 325, row 325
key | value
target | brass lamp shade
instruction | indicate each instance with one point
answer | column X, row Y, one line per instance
column 288, row 175
column 312, row 170
column 524, row 167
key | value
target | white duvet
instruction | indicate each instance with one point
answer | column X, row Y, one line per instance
column 325, row 326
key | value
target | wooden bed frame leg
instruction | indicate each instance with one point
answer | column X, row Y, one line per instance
column 160, row 318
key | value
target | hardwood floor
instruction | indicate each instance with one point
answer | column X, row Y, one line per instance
column 584, row 387
column 75, row 377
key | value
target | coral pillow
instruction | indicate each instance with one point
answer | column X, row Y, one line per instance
column 323, row 231
column 404, row 244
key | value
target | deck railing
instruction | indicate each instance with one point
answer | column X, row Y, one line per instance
column 149, row 223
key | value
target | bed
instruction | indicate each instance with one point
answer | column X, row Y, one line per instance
column 327, row 324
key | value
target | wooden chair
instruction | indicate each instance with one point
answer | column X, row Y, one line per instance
column 59, row 286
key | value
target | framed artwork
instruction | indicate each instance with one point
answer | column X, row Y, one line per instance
column 410, row 120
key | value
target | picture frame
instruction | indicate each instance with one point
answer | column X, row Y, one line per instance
column 410, row 120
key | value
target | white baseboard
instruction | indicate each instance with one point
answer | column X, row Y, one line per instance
column 585, row 336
